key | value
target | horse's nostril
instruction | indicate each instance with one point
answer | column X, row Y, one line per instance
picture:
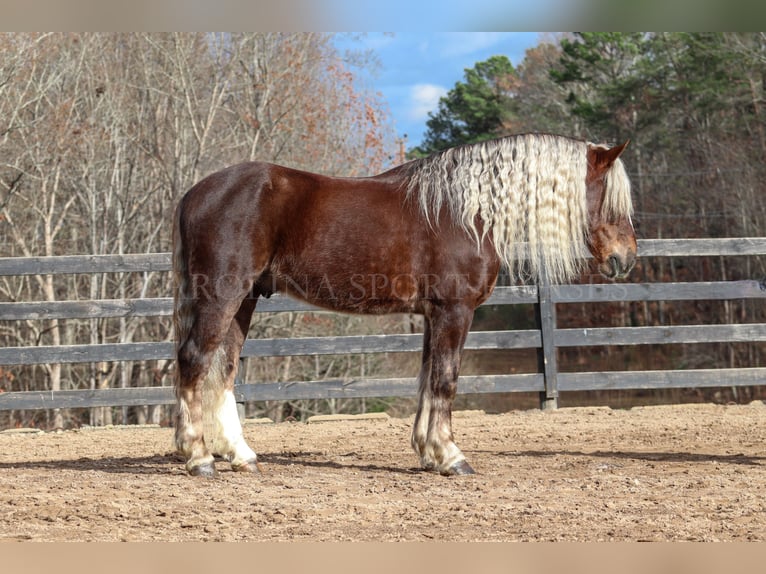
column 614, row 263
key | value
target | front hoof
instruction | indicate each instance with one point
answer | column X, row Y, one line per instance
column 459, row 469
column 205, row 470
column 250, row 466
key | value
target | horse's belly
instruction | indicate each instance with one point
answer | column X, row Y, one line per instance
column 370, row 292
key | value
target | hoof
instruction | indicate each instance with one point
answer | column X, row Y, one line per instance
column 459, row 468
column 248, row 466
column 206, row 470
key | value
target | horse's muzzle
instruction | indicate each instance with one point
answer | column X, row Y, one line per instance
column 617, row 267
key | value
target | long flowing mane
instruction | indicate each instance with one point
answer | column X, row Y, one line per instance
column 529, row 190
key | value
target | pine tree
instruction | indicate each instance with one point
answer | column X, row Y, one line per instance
column 474, row 110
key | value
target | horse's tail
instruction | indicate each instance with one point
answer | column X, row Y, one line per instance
column 182, row 296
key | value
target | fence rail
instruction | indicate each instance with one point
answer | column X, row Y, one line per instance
column 547, row 338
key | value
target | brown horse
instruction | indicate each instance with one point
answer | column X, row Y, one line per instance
column 426, row 237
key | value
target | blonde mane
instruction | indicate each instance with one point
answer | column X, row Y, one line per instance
column 529, row 190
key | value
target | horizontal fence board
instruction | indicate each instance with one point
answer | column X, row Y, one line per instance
column 703, row 290
column 612, row 380
column 106, row 308
column 130, row 262
column 163, row 306
column 359, row 388
column 131, row 397
column 515, row 295
column 331, row 345
column 382, row 343
column 283, row 303
column 86, row 353
column 103, row 308
column 702, row 247
column 262, row 347
column 336, row 388
column 746, row 333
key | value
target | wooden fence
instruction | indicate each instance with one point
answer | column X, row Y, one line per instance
column 547, row 338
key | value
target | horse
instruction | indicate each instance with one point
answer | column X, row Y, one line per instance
column 426, row 237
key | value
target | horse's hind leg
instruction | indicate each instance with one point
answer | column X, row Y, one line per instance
column 425, row 397
column 222, row 428
column 202, row 362
column 432, row 438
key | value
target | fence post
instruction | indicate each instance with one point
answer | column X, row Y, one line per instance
column 545, row 310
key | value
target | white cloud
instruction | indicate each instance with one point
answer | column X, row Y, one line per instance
column 424, row 98
column 462, row 43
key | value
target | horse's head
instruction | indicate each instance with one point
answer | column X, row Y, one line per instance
column 611, row 237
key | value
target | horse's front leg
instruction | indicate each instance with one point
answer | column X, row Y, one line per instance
column 432, row 438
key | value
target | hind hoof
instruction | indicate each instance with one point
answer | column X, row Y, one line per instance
column 459, row 469
column 206, row 470
column 250, row 466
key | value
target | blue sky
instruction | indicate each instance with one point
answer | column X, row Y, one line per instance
column 417, row 68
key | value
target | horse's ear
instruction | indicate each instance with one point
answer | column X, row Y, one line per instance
column 619, row 149
column 606, row 157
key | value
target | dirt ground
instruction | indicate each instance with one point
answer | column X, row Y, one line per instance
column 691, row 472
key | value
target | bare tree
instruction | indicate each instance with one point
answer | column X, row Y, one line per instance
column 102, row 133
